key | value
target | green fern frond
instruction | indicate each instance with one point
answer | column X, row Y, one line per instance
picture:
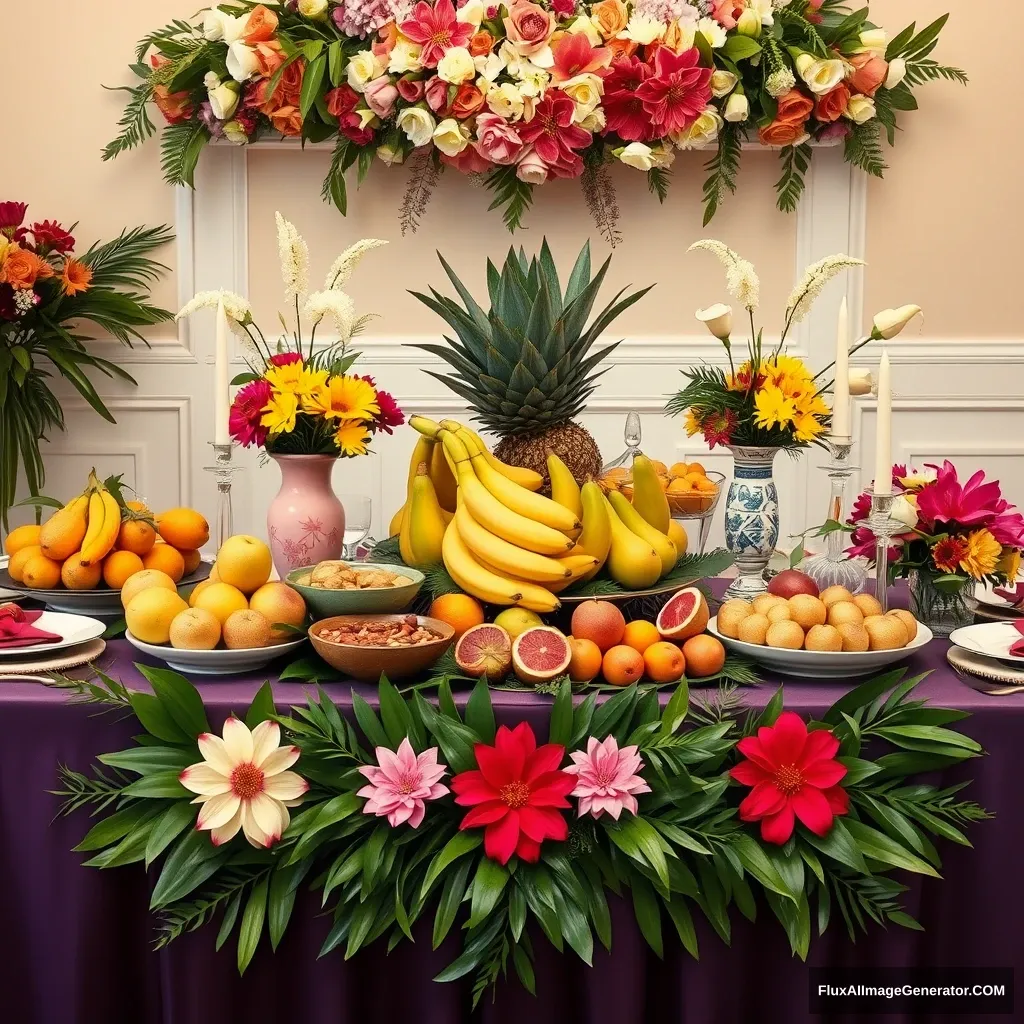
column 722, row 169
column 790, row 187
column 513, row 196
column 658, row 179
column 180, row 146
column 864, row 150
column 135, row 124
column 921, row 71
column 125, row 261
column 163, row 37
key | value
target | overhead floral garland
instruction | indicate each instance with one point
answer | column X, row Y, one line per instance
column 525, row 92
column 417, row 809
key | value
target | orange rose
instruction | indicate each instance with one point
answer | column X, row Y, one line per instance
column 175, row 106
column 260, row 27
column 610, row 16
column 481, row 43
column 287, row 120
column 21, row 268
column 387, row 36
column 286, row 92
column 270, row 57
column 869, row 73
column 832, row 105
column 468, row 100
column 788, row 127
column 622, row 47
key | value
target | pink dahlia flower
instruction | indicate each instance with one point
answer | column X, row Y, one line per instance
column 678, row 91
column 975, row 503
column 247, row 411
column 607, row 778
column 436, row 29
column 402, row 783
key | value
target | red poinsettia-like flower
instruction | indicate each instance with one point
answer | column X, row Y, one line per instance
column 51, row 237
column 794, row 775
column 624, row 110
column 553, row 135
column 515, row 794
column 247, row 411
column 718, row 427
column 436, row 29
column 677, row 92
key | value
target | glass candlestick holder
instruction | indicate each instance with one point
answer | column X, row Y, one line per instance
column 831, row 568
column 223, row 470
column 883, row 526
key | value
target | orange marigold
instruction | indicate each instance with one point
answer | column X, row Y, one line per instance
column 76, row 277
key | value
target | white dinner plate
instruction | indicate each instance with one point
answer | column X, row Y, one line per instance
column 7, row 595
column 72, row 629
column 986, row 594
column 821, row 664
column 216, row 662
column 993, row 639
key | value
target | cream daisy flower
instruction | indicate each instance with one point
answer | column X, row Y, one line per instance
column 243, row 783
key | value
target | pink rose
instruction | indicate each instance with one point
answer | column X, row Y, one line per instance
column 381, row 96
column 532, row 169
column 869, row 73
column 529, row 26
column 410, row 89
column 497, row 140
column 727, row 12
column 436, row 94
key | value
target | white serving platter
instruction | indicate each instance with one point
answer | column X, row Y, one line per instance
column 216, row 662
column 73, row 629
column 992, row 639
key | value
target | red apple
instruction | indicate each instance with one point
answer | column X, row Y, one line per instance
column 790, row 582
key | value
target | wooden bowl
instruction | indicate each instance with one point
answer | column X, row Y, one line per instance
column 367, row 664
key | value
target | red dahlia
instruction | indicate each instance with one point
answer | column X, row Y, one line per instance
column 554, row 136
column 50, row 236
column 11, row 215
column 677, row 92
column 624, row 110
column 515, row 793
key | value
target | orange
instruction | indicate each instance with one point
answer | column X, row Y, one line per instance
column 460, row 611
column 137, row 536
column 678, row 469
column 706, row 486
column 42, row 573
column 681, row 485
column 622, row 665
column 185, row 528
column 76, row 576
column 191, row 560
column 694, row 480
column 585, row 662
column 138, row 506
column 21, row 537
column 16, row 566
column 696, row 467
column 143, row 580
column 600, row 621
column 166, row 559
column 222, row 599
column 664, row 662
column 199, row 588
column 118, row 566
column 640, row 634
column 704, row 656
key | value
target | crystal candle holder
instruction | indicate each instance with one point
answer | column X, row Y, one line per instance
column 883, row 526
column 223, row 470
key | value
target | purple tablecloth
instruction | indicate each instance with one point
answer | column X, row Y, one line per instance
column 76, row 943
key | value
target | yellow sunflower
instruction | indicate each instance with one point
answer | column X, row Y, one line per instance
column 808, row 426
column 983, row 554
column 352, row 437
column 691, row 423
column 774, row 408
column 279, row 412
column 289, row 377
column 343, row 397
column 789, row 367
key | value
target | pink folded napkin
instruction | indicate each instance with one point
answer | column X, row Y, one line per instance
column 1015, row 594
column 1018, row 648
column 16, row 629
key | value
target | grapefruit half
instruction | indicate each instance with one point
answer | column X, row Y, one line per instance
column 685, row 614
column 484, row 650
column 540, row 654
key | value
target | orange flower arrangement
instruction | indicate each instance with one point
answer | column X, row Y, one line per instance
column 22, row 268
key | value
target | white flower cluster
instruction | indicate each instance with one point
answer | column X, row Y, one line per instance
column 294, row 255
column 741, row 279
column 342, row 268
column 238, row 310
column 816, row 276
column 334, row 304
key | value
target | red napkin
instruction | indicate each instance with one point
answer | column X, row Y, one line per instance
column 1018, row 647
column 16, row 629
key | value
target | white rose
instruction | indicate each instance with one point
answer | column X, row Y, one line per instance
column 532, row 79
column 643, row 30
column 405, row 57
column 418, row 124
column 585, row 91
column 860, row 109
column 471, row 13
column 489, row 65
column 364, row 67
column 723, row 83
column 873, row 40
column 904, row 511
column 313, row 9
column 595, row 121
column 223, row 96
column 897, row 72
column 712, row 32
column 218, row 25
column 737, row 108
column 749, row 24
column 390, row 155
column 820, row 75
column 456, row 66
column 701, row 133
column 235, row 133
column 764, row 8
column 637, row 155
column 512, row 58
column 662, row 155
column 531, row 173
column 585, row 26
column 450, row 137
column 242, row 62
column 505, row 101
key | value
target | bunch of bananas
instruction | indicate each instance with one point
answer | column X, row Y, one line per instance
column 506, row 544
column 88, row 524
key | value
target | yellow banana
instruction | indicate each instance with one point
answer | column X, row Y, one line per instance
column 424, row 527
column 422, row 452
column 472, row 577
column 648, row 494
column 506, row 557
column 442, row 478
column 632, row 562
column 517, row 474
column 677, row 534
column 427, row 427
column 581, row 567
column 104, row 526
column 62, row 534
column 491, row 514
column 596, row 538
column 396, row 523
column 564, row 489
column 643, row 529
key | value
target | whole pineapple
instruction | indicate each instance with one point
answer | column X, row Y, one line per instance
column 525, row 366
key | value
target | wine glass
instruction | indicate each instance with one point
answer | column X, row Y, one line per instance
column 358, row 513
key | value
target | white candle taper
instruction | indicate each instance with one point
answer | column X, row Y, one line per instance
column 221, row 397
column 841, row 388
column 883, row 436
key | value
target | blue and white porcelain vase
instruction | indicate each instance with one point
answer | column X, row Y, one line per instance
column 751, row 518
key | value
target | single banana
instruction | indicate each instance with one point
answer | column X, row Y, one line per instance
column 396, row 523
column 506, row 557
column 517, row 474
column 62, row 534
column 643, row 529
column 472, row 577
column 99, row 540
column 632, row 562
column 581, row 567
column 648, row 494
column 443, row 479
column 677, row 534
column 422, row 452
column 564, row 489
column 491, row 514
column 423, row 529
column 596, row 538
column 427, row 427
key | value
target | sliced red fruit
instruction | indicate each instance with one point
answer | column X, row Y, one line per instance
column 685, row 614
column 540, row 654
column 484, row 650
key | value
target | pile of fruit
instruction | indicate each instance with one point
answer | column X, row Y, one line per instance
column 96, row 540
column 235, row 608
column 794, row 616
column 601, row 646
column 507, row 544
column 686, row 485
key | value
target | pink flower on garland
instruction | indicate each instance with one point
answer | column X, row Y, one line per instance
column 677, row 92
column 401, row 783
column 607, row 778
column 575, row 56
column 624, row 110
column 794, row 775
column 247, row 411
column 553, row 135
column 436, row 29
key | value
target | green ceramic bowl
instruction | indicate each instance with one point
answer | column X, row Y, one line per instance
column 372, row 601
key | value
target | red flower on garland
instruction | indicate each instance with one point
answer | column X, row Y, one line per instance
column 624, row 110
column 554, row 136
column 50, row 236
column 342, row 103
column 678, row 91
column 436, row 29
column 515, row 794
column 794, row 775
column 718, row 427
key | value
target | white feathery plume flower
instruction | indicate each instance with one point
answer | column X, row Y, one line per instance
column 238, row 310
column 816, row 276
column 342, row 267
column 741, row 279
column 294, row 255
column 336, row 305
column 780, row 82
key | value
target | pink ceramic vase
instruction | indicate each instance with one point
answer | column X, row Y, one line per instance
column 305, row 521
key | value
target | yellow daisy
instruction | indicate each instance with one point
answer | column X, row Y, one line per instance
column 790, row 367
column 1009, row 563
column 691, row 423
column 346, row 398
column 352, row 437
column 808, row 427
column 279, row 412
column 812, row 404
column 289, row 377
column 983, row 554
column 774, row 408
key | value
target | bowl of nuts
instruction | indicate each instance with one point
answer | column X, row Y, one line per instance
column 365, row 646
column 343, row 588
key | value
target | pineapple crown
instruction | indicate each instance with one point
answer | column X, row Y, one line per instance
column 526, row 364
